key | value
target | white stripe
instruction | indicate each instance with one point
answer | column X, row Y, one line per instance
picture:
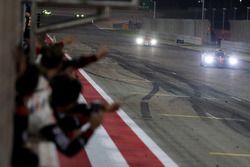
column 101, row 150
column 47, row 154
column 50, row 38
column 235, row 98
column 210, row 115
column 81, row 99
column 159, row 153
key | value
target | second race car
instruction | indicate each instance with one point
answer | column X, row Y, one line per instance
column 218, row 58
column 146, row 41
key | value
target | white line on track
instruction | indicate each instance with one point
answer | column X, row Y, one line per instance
column 210, row 115
column 236, row 98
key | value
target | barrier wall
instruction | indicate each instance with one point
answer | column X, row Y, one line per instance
column 236, row 46
column 240, row 31
column 9, row 19
column 186, row 27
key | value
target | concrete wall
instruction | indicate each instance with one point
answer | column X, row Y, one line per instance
column 9, row 18
column 240, row 31
column 178, row 26
column 236, row 46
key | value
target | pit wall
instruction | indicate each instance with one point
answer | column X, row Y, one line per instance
column 240, row 31
column 9, row 19
column 189, row 30
column 236, row 46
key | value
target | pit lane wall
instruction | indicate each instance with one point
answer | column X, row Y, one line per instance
column 239, row 37
column 9, row 19
column 239, row 31
column 236, row 46
column 191, row 31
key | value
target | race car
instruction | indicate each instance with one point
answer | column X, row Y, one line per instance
column 218, row 58
column 79, row 15
column 146, row 41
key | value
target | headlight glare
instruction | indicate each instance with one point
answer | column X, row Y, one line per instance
column 233, row 61
column 209, row 59
column 139, row 41
column 153, row 41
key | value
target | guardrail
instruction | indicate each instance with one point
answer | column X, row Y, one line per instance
column 236, row 46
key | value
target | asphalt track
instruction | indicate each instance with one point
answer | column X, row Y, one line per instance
column 199, row 116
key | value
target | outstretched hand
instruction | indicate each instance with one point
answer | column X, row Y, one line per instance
column 102, row 53
column 67, row 40
column 96, row 118
column 111, row 107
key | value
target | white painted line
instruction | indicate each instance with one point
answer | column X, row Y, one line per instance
column 81, row 99
column 236, row 98
column 159, row 153
column 101, row 149
column 210, row 98
column 47, row 154
column 210, row 115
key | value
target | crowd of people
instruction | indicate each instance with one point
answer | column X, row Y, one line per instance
column 47, row 104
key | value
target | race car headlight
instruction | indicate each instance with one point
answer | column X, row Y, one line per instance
column 153, row 41
column 46, row 12
column 139, row 41
column 209, row 59
column 77, row 15
column 233, row 61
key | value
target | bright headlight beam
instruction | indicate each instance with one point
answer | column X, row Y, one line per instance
column 209, row 59
column 233, row 61
column 153, row 41
column 139, row 41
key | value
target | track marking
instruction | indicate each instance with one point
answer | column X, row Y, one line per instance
column 201, row 117
column 102, row 151
column 210, row 115
column 229, row 154
column 161, row 94
column 236, row 98
column 172, row 95
column 134, row 80
column 151, row 145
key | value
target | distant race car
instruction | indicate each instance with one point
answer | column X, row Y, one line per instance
column 79, row 15
column 46, row 12
column 218, row 59
column 146, row 41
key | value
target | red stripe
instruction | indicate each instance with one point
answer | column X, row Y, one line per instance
column 131, row 147
column 79, row 160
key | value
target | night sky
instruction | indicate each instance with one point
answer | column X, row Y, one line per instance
column 209, row 3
